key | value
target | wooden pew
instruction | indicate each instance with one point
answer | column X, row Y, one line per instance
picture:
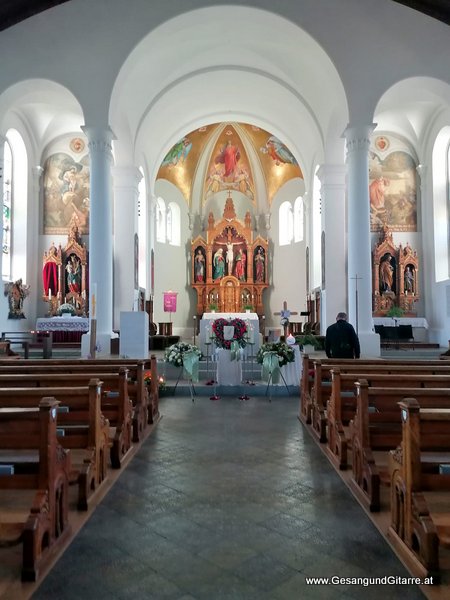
column 341, row 406
column 145, row 398
column 321, row 388
column 377, row 429
column 308, row 376
column 82, row 428
column 115, row 406
column 420, row 491
column 34, row 499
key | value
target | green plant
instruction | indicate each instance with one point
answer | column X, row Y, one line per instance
column 213, row 306
column 395, row 311
column 285, row 353
column 248, row 307
column 307, row 339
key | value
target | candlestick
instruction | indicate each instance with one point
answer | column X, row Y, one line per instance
column 93, row 300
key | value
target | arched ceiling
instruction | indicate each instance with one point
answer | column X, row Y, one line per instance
column 14, row 11
column 249, row 77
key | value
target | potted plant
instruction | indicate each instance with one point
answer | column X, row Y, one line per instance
column 213, row 307
column 395, row 312
column 248, row 307
column 308, row 342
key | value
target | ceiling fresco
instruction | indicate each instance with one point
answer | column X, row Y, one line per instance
column 228, row 165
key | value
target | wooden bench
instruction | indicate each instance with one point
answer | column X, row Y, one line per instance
column 34, row 498
column 420, row 488
column 320, row 390
column 82, row 428
column 30, row 339
column 308, row 375
column 341, row 405
column 377, row 429
column 145, row 398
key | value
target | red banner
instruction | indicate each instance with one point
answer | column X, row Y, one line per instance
column 170, row 301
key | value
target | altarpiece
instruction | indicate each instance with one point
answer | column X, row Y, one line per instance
column 229, row 268
column 65, row 274
column 395, row 271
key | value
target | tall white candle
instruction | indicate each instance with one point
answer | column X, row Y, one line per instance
column 49, row 294
column 93, row 300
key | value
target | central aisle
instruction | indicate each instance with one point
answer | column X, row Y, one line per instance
column 226, row 499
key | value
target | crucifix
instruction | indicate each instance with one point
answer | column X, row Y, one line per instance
column 356, row 278
column 285, row 313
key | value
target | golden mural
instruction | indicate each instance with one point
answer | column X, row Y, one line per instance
column 278, row 162
column 393, row 192
column 66, row 193
column 229, row 167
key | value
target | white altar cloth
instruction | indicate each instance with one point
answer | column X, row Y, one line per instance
column 394, row 321
column 229, row 372
column 207, row 321
column 62, row 324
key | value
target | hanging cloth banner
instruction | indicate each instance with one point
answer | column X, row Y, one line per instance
column 170, row 301
column 235, row 351
column 190, row 365
column 271, row 367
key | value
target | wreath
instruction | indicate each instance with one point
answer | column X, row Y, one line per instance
column 239, row 335
column 285, row 353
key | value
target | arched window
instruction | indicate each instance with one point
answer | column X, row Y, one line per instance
column 15, row 200
column 160, row 220
column 173, row 224
column 286, row 224
column 7, row 187
column 298, row 219
column 441, row 203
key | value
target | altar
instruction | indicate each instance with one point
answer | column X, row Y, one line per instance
column 65, row 329
column 206, row 327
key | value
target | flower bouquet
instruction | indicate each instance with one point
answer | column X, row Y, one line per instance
column 239, row 334
column 66, row 308
column 148, row 380
column 174, row 353
column 285, row 353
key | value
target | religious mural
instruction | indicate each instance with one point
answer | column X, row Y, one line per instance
column 229, row 167
column 392, row 189
column 66, row 193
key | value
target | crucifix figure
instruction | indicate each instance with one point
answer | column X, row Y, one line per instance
column 285, row 313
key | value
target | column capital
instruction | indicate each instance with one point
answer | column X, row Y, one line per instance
column 126, row 176
column 99, row 139
column 333, row 175
column 358, row 137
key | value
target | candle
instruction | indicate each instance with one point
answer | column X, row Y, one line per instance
column 93, row 300
column 49, row 294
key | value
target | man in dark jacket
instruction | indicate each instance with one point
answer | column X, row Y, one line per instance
column 341, row 340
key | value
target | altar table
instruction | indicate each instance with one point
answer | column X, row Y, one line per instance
column 65, row 329
column 207, row 321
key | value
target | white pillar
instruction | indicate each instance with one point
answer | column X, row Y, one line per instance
column 359, row 246
column 334, row 295
column 126, row 196
column 100, row 234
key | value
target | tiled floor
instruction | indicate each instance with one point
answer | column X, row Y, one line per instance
column 226, row 500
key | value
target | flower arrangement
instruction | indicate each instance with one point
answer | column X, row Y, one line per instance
column 395, row 312
column 66, row 308
column 174, row 353
column 307, row 339
column 148, row 380
column 285, row 353
column 239, row 335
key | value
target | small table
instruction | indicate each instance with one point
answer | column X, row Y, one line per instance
column 229, row 372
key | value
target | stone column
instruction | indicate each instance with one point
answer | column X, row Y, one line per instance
column 334, row 295
column 126, row 196
column 359, row 246
column 100, row 236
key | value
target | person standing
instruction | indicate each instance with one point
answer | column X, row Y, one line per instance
column 341, row 340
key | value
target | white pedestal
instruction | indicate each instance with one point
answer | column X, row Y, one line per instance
column 229, row 372
column 134, row 334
